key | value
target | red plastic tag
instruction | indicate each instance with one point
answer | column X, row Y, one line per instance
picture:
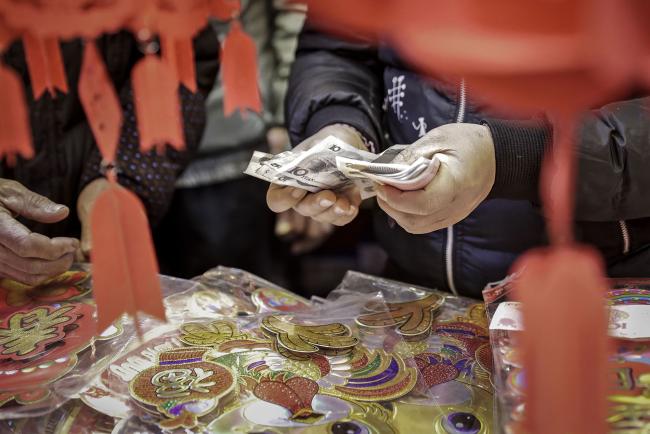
column 179, row 54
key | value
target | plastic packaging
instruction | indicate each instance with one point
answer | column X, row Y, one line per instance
column 629, row 301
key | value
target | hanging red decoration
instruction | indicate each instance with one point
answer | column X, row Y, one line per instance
column 239, row 72
column 156, row 102
column 179, row 55
column 15, row 134
column 45, row 63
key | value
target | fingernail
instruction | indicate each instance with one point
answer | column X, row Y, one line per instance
column 352, row 209
column 297, row 193
column 56, row 208
column 339, row 211
column 326, row 203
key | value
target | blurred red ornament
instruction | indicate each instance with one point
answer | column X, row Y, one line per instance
column 45, row 63
column 239, row 72
column 15, row 133
column 157, row 107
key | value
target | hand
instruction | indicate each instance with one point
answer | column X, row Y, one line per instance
column 25, row 256
column 278, row 139
column 464, row 179
column 304, row 233
column 338, row 208
column 85, row 203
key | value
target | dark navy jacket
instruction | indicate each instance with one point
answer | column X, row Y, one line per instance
column 337, row 81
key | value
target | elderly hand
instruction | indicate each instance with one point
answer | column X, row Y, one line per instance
column 463, row 181
column 25, row 256
column 338, row 208
column 304, row 234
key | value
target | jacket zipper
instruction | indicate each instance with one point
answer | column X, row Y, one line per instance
column 449, row 249
column 626, row 236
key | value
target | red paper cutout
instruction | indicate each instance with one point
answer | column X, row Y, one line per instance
column 15, row 133
column 156, row 102
column 45, row 63
column 125, row 271
column 100, row 102
column 239, row 72
column 179, row 54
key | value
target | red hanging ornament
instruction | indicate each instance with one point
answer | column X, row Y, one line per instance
column 224, row 9
column 100, row 102
column 239, row 72
column 45, row 63
column 15, row 133
column 125, row 271
column 156, row 102
column 179, row 54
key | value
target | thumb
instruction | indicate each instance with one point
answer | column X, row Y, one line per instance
column 86, row 237
column 18, row 199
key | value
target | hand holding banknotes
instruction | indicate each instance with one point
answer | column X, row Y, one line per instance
column 310, row 196
column 464, row 178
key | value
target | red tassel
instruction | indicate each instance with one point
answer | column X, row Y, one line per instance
column 179, row 54
column 239, row 72
column 565, row 344
column 125, row 271
column 15, row 134
column 100, row 102
column 156, row 103
column 45, row 63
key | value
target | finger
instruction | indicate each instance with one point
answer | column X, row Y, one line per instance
column 36, row 266
column 314, row 204
column 21, row 276
column 280, row 198
column 86, row 238
column 439, row 194
column 345, row 219
column 299, row 223
column 33, row 206
column 283, row 226
column 414, row 224
column 316, row 229
column 342, row 209
column 27, row 244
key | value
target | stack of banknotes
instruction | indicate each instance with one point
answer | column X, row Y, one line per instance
column 334, row 165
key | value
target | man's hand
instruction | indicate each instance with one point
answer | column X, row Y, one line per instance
column 338, row 208
column 304, row 233
column 463, row 181
column 85, row 203
column 25, row 256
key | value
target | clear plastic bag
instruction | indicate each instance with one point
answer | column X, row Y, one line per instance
column 630, row 410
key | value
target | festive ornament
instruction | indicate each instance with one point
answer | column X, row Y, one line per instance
column 239, row 72
column 15, row 134
column 295, row 394
column 67, row 286
column 331, row 339
column 183, row 387
column 412, row 319
column 45, row 64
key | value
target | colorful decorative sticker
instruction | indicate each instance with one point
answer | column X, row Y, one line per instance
column 628, row 296
column 215, row 333
column 331, row 339
column 275, row 300
column 295, row 395
column 39, row 346
column 183, row 386
column 411, row 319
column 68, row 286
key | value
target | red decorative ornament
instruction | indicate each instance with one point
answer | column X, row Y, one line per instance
column 15, row 133
column 158, row 111
column 45, row 62
column 239, row 72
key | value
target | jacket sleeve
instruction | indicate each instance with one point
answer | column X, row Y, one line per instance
column 613, row 151
column 288, row 20
column 152, row 176
column 333, row 81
